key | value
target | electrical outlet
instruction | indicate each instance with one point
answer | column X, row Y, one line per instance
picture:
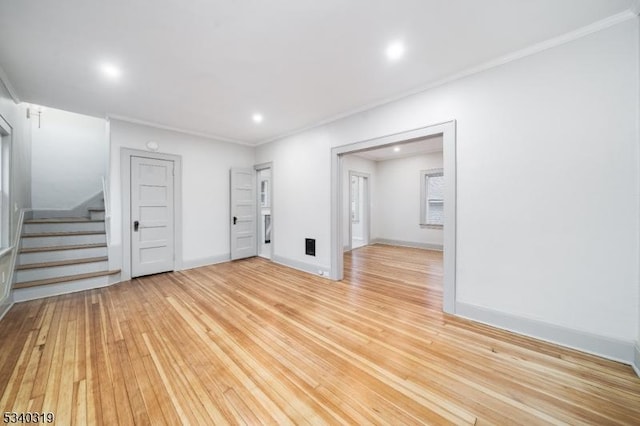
column 310, row 246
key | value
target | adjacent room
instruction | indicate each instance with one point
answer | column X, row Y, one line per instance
column 293, row 212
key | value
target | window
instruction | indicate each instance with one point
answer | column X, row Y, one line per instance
column 264, row 193
column 5, row 155
column 432, row 198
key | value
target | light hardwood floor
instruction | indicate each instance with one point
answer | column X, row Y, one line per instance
column 251, row 342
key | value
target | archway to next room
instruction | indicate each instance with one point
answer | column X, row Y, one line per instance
column 410, row 194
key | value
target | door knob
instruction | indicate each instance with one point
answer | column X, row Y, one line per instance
column 235, row 219
column 136, row 224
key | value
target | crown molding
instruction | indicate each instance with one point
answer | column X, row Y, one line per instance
column 4, row 79
column 603, row 24
column 176, row 129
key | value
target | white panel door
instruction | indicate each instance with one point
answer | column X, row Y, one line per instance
column 243, row 213
column 152, row 227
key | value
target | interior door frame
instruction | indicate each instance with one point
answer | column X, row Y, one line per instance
column 366, row 213
column 125, row 179
column 448, row 132
column 6, row 223
column 257, row 168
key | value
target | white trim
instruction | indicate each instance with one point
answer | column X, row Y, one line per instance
column 6, row 148
column 424, row 174
column 514, row 56
column 6, row 305
column 614, row 349
column 5, row 251
column 412, row 244
column 8, row 299
column 257, row 168
column 16, row 248
column 320, row 271
column 4, row 79
column 5, row 126
column 177, row 129
column 125, row 179
column 636, row 358
column 448, row 132
column 205, row 261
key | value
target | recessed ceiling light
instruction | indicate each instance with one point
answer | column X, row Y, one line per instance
column 395, row 50
column 110, row 71
column 257, row 118
column 396, row 149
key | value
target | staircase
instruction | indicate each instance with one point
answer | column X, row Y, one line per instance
column 62, row 255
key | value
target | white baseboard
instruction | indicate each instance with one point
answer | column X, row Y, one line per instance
column 613, row 349
column 6, row 305
column 636, row 358
column 205, row 261
column 322, row 271
column 115, row 278
column 412, row 244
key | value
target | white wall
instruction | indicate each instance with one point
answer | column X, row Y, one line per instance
column 300, row 196
column 398, row 191
column 637, row 348
column 20, row 183
column 205, row 187
column 547, row 160
column 69, row 159
column 353, row 163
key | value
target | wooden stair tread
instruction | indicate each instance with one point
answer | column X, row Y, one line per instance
column 96, row 210
column 64, row 279
column 62, row 234
column 57, row 248
column 61, row 263
column 63, row 220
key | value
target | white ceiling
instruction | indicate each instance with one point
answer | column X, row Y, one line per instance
column 206, row 66
column 407, row 149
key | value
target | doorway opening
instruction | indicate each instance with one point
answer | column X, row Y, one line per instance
column 359, row 209
column 264, row 211
column 251, row 213
column 445, row 131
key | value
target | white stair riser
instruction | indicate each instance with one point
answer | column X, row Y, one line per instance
column 67, row 240
column 34, row 228
column 55, row 255
column 59, row 271
column 96, row 215
column 31, row 293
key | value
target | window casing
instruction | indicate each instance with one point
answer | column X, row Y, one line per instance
column 5, row 199
column 432, row 198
